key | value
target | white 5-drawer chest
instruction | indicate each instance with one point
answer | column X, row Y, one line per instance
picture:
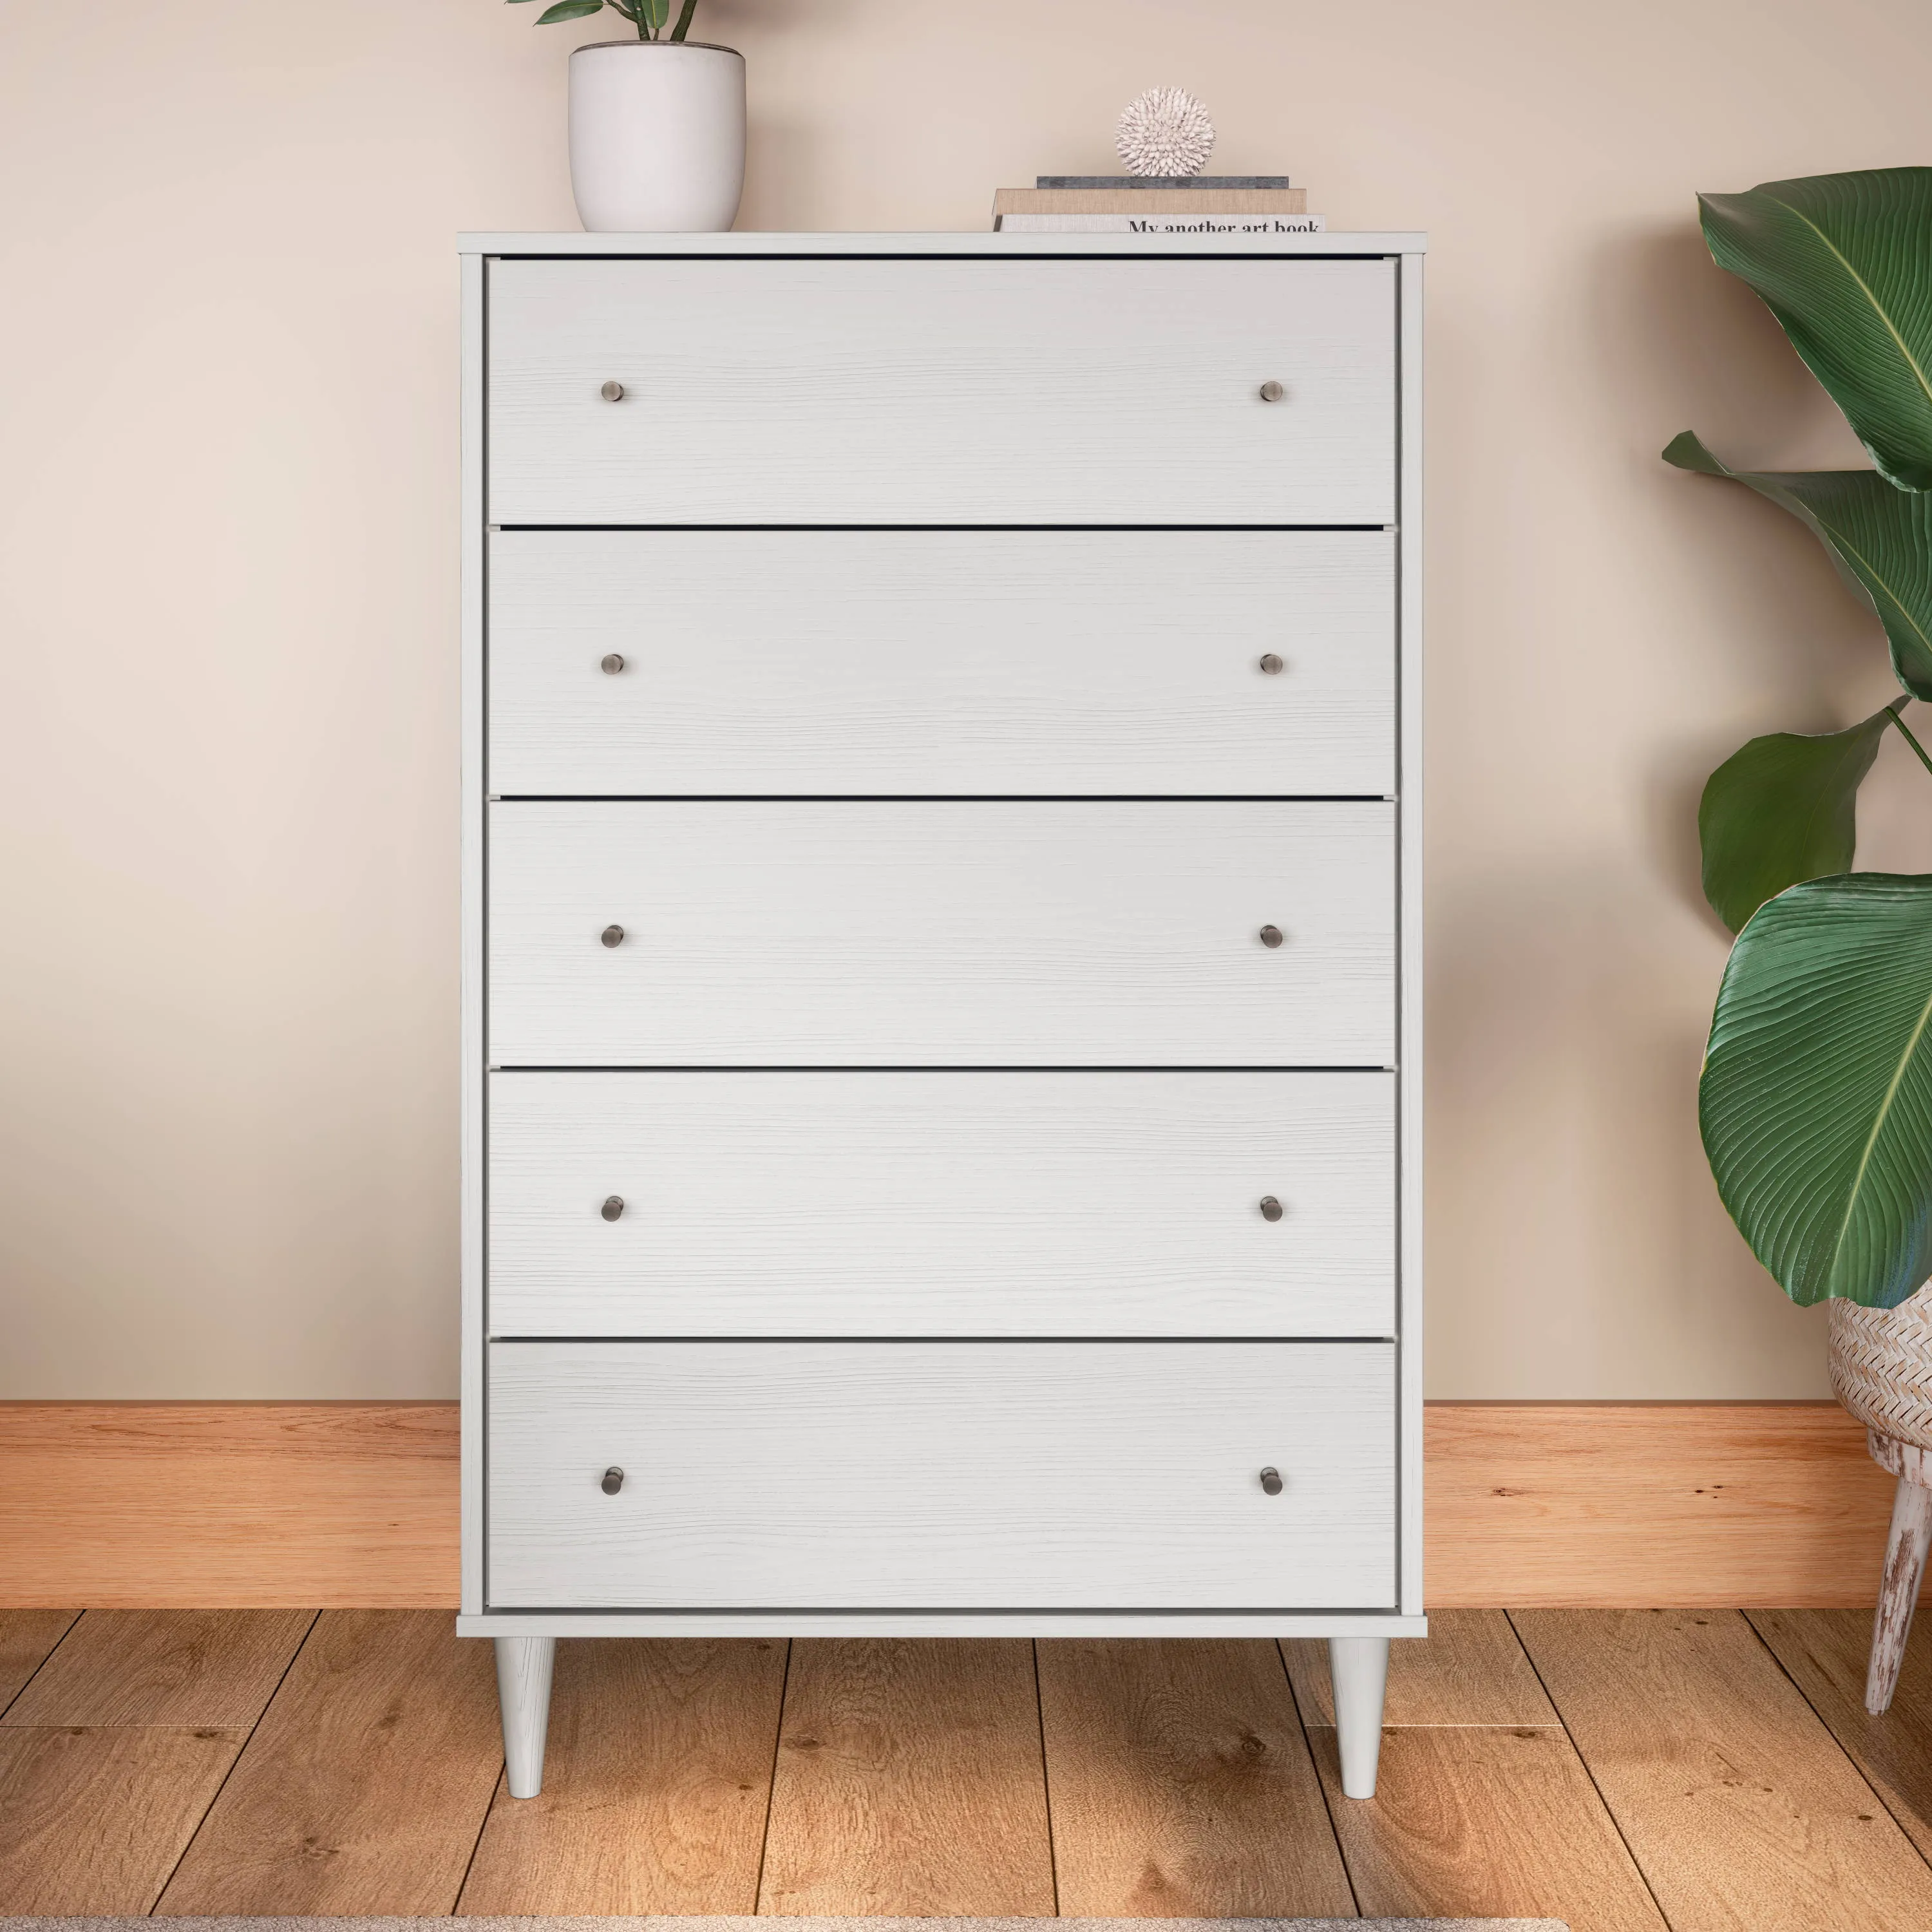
column 942, row 1045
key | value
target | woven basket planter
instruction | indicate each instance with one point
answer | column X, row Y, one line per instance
column 1881, row 1372
column 1881, row 1366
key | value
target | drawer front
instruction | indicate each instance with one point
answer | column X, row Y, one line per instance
column 926, row 934
column 942, row 1203
column 942, row 392
column 942, row 1475
column 907, row 662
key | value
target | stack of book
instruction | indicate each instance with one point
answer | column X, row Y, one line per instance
column 1145, row 205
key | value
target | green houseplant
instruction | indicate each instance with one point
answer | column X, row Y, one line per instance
column 648, row 16
column 1816, row 1097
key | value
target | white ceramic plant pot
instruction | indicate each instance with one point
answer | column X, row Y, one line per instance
column 657, row 136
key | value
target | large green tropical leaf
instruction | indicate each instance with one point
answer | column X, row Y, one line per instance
column 1783, row 810
column 1844, row 261
column 1816, row 1102
column 1879, row 538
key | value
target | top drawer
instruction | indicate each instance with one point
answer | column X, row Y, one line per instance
column 942, row 392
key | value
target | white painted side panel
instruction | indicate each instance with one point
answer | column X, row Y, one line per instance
column 942, row 1203
column 472, row 1078
column 1411, row 1050
column 942, row 392
column 945, row 1475
column 958, row 661
column 960, row 934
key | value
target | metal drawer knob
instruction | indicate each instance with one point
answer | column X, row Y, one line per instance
column 613, row 1481
column 612, row 392
column 1270, row 1481
column 1270, row 936
column 613, row 935
column 1271, row 392
column 614, row 1206
column 1270, row 664
column 613, row 663
column 1271, row 1208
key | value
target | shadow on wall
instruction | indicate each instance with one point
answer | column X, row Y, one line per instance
column 1695, row 342
column 1790, row 647
column 781, row 190
column 1561, row 1052
column 1566, row 1016
column 1574, row 1228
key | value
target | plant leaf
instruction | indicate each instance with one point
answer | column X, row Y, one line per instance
column 1879, row 538
column 568, row 10
column 656, row 13
column 1816, row 1102
column 1781, row 810
column 1844, row 261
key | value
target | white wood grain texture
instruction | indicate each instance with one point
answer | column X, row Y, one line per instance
column 934, row 934
column 942, row 392
column 936, row 662
column 996, row 1475
column 942, row 1203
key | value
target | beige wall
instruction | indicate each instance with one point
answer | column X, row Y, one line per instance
column 228, row 595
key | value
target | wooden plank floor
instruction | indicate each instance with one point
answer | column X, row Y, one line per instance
column 1624, row 1770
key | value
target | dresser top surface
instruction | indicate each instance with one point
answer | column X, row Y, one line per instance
column 975, row 242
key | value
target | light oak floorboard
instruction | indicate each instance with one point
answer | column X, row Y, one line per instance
column 1619, row 1503
column 365, row 1784
column 292, row 1503
column 112, row 1753
column 1474, row 1821
column 656, row 1783
column 1470, row 1670
column 140, row 1505
column 92, row 1822
column 1181, row 1784
column 206, row 1670
column 1826, row 1653
column 909, row 1781
column 26, row 1639
column 1741, row 1809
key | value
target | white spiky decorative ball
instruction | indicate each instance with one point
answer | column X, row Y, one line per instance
column 1166, row 131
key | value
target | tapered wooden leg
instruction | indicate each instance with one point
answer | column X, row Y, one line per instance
column 524, row 1667
column 1358, row 1670
column 1898, row 1590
